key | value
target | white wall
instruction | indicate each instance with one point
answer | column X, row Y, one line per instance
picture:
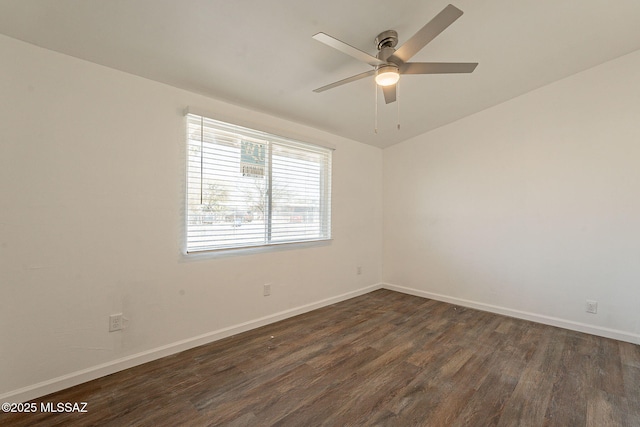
column 528, row 208
column 91, row 185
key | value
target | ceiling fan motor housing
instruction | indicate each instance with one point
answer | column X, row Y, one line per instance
column 387, row 38
column 386, row 43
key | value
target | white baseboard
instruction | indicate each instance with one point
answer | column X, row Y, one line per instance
column 56, row 384
column 538, row 318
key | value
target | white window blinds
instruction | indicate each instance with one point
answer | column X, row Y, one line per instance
column 248, row 188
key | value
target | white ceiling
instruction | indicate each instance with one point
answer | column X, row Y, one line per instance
column 260, row 54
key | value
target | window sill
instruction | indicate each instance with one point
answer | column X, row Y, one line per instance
column 251, row 250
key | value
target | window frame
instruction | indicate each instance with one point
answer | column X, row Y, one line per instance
column 324, row 190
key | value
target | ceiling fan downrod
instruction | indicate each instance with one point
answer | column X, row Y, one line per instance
column 386, row 42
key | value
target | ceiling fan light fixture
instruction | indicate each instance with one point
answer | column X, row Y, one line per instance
column 387, row 75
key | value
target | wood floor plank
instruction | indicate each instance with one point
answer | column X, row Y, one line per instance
column 380, row 359
column 607, row 373
column 606, row 410
column 371, row 394
column 568, row 402
column 530, row 398
column 486, row 405
column 629, row 354
column 631, row 378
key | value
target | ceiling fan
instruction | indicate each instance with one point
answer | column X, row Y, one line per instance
column 390, row 63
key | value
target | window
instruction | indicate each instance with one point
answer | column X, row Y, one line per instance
column 247, row 188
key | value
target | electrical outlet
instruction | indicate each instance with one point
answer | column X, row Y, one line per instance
column 592, row 307
column 115, row 322
column 266, row 290
column 359, row 270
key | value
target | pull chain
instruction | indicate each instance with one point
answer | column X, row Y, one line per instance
column 398, row 101
column 375, row 126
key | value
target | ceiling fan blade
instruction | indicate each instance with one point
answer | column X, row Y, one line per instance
column 348, row 49
column 345, row 81
column 427, row 33
column 437, row 67
column 389, row 93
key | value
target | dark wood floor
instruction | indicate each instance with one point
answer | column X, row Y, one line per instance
column 385, row 359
